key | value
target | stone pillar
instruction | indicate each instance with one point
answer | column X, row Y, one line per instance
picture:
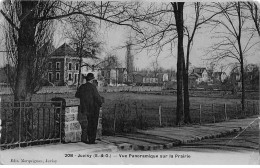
column 71, row 129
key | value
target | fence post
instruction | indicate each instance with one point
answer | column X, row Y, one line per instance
column 257, row 108
column 200, row 113
column 236, row 109
column 136, row 110
column 0, row 118
column 20, row 123
column 213, row 112
column 225, row 108
column 245, row 110
column 114, row 126
column 253, row 108
column 247, row 107
column 160, row 115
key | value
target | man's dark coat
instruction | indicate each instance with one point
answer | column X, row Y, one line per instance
column 90, row 103
column 90, row 100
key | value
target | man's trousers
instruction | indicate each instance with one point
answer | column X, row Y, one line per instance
column 88, row 124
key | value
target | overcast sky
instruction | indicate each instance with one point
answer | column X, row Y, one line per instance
column 117, row 36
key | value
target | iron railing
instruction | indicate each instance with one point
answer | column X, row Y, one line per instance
column 26, row 123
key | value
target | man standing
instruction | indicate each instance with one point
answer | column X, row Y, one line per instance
column 90, row 103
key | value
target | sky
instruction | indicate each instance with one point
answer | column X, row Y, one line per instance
column 117, row 36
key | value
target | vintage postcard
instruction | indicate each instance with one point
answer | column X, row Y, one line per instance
column 129, row 82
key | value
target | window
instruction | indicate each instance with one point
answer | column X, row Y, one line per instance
column 50, row 66
column 70, row 77
column 77, row 66
column 76, row 78
column 49, row 76
column 58, row 66
column 70, row 66
column 57, row 76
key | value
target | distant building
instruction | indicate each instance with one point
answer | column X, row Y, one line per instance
column 63, row 66
column 193, row 80
column 3, row 78
column 5, row 75
column 219, row 76
column 172, row 77
column 165, row 77
column 138, row 78
column 200, row 74
column 114, row 76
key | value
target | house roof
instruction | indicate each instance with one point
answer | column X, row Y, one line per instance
column 199, row 70
column 195, row 74
column 64, row 50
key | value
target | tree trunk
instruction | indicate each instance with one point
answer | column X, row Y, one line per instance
column 243, row 85
column 26, row 50
column 241, row 55
column 178, row 13
column 187, row 118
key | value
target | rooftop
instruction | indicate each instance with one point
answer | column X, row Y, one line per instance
column 66, row 50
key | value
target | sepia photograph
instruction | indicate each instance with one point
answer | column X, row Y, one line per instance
column 129, row 82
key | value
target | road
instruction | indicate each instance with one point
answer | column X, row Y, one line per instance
column 228, row 150
column 247, row 140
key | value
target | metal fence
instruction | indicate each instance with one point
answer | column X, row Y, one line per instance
column 26, row 123
column 129, row 116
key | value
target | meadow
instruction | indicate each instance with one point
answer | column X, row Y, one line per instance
column 125, row 112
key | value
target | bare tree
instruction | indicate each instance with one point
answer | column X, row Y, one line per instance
column 234, row 41
column 178, row 13
column 164, row 32
column 28, row 43
column 82, row 33
column 109, row 62
column 155, row 67
column 28, row 14
column 201, row 17
column 254, row 14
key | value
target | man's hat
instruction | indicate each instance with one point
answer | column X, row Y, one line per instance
column 90, row 76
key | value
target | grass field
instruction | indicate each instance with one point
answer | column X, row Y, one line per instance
column 126, row 112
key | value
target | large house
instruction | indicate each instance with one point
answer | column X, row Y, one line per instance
column 63, row 66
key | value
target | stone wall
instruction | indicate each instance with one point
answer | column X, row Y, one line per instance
column 130, row 89
column 66, row 89
column 72, row 129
